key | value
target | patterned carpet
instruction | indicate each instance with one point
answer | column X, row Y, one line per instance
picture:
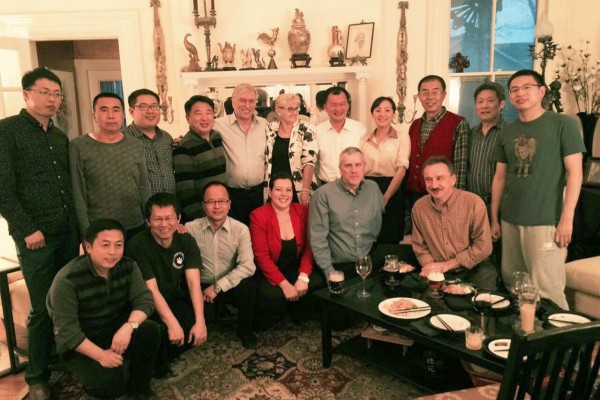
column 286, row 366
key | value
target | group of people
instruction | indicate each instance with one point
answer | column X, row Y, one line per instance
column 197, row 217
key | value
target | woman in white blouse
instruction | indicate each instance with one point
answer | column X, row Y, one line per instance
column 386, row 153
column 292, row 148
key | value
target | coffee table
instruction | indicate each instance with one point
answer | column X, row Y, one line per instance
column 452, row 344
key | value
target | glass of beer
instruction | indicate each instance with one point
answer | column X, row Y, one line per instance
column 435, row 280
column 390, row 269
column 335, row 281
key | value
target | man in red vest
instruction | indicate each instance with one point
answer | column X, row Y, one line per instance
column 437, row 133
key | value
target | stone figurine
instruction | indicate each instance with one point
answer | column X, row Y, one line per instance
column 193, row 65
column 246, row 59
column 260, row 64
column 228, row 56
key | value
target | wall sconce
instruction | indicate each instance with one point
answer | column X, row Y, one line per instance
column 206, row 21
column 164, row 109
column 404, row 116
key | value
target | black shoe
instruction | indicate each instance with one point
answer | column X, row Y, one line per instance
column 248, row 339
column 163, row 374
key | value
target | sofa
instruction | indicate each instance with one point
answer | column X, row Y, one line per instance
column 583, row 286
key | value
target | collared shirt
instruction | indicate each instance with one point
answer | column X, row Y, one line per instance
column 460, row 157
column 344, row 226
column 481, row 162
column 331, row 143
column 384, row 159
column 302, row 151
column 159, row 158
column 227, row 255
column 459, row 229
column 35, row 181
column 245, row 152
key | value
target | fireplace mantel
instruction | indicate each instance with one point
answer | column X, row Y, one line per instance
column 356, row 77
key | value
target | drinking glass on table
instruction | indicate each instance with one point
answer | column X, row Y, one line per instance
column 363, row 268
column 482, row 301
column 435, row 280
column 520, row 280
column 528, row 298
column 390, row 267
column 335, row 281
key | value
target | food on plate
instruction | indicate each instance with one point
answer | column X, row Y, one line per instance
column 457, row 289
column 404, row 268
column 401, row 305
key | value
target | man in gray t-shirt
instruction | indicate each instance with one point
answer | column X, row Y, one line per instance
column 538, row 157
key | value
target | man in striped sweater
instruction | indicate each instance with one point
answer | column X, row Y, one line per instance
column 99, row 304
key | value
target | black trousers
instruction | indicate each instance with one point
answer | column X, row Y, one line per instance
column 244, row 201
column 243, row 297
column 183, row 311
column 132, row 376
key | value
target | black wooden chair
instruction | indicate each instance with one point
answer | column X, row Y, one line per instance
column 558, row 364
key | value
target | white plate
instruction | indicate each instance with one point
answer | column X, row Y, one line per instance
column 499, row 347
column 456, row 322
column 570, row 319
column 501, row 304
column 385, row 305
column 467, row 289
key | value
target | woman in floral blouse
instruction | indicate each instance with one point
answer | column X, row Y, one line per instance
column 292, row 148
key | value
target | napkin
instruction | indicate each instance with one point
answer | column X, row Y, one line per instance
column 414, row 282
column 424, row 328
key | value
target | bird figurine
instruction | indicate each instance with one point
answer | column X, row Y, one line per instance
column 269, row 40
column 193, row 65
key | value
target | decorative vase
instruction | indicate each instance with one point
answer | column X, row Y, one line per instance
column 299, row 40
column 588, row 124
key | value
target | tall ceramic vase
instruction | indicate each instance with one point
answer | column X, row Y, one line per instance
column 588, row 124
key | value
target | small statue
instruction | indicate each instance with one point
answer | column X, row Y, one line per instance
column 228, row 56
column 270, row 40
column 553, row 97
column 246, row 59
column 214, row 63
column 259, row 64
column 459, row 62
column 193, row 65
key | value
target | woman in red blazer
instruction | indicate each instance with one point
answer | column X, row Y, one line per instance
column 279, row 240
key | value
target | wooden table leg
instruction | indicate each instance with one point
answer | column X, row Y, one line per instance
column 326, row 335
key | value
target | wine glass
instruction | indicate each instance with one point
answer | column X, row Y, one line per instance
column 482, row 302
column 521, row 279
column 391, row 269
column 435, row 280
column 363, row 268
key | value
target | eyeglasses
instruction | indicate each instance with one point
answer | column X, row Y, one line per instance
column 146, row 107
column 220, row 202
column 290, row 109
column 431, row 93
column 525, row 88
column 46, row 93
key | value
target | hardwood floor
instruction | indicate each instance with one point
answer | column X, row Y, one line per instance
column 13, row 387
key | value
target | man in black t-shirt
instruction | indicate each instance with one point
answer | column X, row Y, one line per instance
column 170, row 263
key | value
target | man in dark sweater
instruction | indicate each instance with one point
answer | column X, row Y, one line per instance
column 170, row 263
column 99, row 304
column 36, row 200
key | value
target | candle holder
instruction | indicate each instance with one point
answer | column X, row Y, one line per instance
column 207, row 21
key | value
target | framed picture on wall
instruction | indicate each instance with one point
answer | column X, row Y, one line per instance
column 360, row 40
column 591, row 176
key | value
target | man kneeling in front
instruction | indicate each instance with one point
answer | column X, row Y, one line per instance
column 99, row 304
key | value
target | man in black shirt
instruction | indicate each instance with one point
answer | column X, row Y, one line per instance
column 170, row 263
column 36, row 200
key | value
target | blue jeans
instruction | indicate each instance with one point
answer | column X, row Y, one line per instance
column 39, row 268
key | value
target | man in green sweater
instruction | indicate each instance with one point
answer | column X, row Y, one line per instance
column 108, row 170
column 99, row 304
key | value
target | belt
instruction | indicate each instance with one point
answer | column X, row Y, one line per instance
column 250, row 189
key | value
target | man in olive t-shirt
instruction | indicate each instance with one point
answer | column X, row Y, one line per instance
column 170, row 263
column 539, row 157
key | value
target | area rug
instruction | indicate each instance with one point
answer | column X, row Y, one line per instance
column 286, row 365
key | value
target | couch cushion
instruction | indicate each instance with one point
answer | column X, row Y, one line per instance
column 584, row 275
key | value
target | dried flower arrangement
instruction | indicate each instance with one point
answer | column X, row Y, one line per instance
column 583, row 76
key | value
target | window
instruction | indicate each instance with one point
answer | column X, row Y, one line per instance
column 495, row 46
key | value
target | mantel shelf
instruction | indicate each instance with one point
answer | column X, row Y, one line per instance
column 276, row 76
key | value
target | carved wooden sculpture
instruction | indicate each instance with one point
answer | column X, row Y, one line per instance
column 160, row 58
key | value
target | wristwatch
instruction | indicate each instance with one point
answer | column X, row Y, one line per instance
column 304, row 278
column 133, row 324
column 218, row 289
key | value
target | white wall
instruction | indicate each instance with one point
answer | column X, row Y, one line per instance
column 240, row 22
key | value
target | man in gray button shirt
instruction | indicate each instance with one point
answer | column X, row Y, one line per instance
column 345, row 216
